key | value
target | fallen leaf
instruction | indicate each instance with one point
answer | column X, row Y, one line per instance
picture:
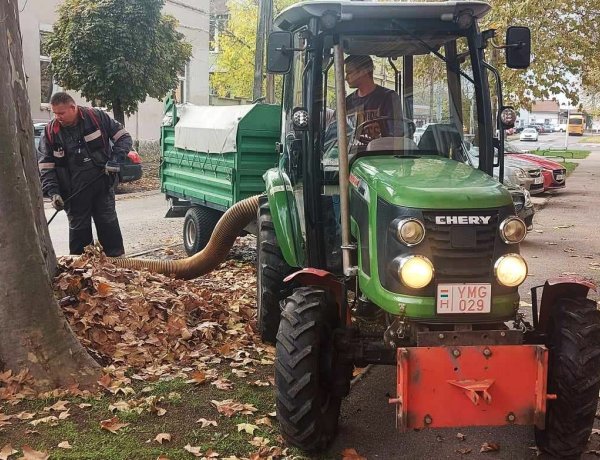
column 58, row 406
column 64, row 415
column 195, row 451
column 460, row 437
column 30, row 454
column 489, row 447
column 439, row 438
column 161, row 437
column 565, row 226
column 50, row 418
column 121, row 406
column 247, row 427
column 259, row 441
column 112, row 425
column 351, row 454
column 84, row 405
column 197, row 377
column 206, row 423
column 65, row 445
column 25, row 415
column 464, row 450
column 264, row 421
column 6, row 452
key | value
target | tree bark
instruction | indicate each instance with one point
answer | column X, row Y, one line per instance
column 117, row 109
column 33, row 332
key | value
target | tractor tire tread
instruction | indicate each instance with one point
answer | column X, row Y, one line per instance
column 574, row 375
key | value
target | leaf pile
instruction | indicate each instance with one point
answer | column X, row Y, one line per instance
column 155, row 324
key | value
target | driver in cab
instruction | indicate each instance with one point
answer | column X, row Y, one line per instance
column 371, row 101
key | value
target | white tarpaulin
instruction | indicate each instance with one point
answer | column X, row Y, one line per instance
column 209, row 129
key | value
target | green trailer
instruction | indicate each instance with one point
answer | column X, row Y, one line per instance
column 211, row 158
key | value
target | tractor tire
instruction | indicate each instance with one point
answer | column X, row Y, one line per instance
column 308, row 371
column 271, row 269
column 573, row 341
column 198, row 226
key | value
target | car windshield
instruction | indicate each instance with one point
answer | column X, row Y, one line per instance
column 529, row 131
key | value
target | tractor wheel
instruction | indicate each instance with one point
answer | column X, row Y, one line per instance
column 198, row 226
column 310, row 377
column 573, row 341
column 271, row 269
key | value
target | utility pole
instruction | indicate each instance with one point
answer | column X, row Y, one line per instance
column 265, row 13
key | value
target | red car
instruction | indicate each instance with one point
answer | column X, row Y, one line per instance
column 555, row 174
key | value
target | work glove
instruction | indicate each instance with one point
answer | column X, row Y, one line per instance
column 57, row 202
column 112, row 167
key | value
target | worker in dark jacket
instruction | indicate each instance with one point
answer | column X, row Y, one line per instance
column 78, row 166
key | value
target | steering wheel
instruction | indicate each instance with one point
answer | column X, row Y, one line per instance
column 365, row 138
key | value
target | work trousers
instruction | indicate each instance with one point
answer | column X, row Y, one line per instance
column 96, row 202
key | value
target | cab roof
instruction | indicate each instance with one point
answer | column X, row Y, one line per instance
column 299, row 14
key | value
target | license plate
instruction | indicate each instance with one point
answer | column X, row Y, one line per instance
column 539, row 180
column 560, row 176
column 464, row 298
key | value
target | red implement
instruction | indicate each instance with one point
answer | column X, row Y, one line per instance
column 471, row 386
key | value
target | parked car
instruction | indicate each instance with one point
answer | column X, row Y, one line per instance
column 131, row 165
column 555, row 174
column 562, row 127
column 529, row 134
column 516, row 172
column 523, row 204
column 548, row 128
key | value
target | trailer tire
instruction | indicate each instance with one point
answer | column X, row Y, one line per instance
column 198, row 226
column 308, row 370
column 573, row 341
column 271, row 269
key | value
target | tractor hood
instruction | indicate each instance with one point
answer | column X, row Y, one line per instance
column 429, row 183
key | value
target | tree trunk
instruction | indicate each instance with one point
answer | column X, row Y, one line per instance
column 117, row 109
column 33, row 332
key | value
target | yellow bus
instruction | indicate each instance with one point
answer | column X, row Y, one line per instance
column 575, row 126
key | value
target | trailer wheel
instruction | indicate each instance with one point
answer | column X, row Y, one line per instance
column 573, row 341
column 308, row 370
column 198, row 226
column 271, row 269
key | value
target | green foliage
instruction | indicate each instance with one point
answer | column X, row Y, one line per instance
column 564, row 42
column 117, row 52
column 237, row 46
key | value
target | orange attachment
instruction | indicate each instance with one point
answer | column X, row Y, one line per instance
column 471, row 386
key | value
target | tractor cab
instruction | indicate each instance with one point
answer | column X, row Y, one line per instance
column 381, row 241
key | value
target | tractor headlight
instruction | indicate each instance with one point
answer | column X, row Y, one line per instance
column 510, row 270
column 513, row 230
column 410, row 231
column 416, row 271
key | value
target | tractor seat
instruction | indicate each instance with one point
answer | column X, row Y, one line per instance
column 392, row 144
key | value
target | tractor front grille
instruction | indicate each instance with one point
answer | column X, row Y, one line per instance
column 462, row 253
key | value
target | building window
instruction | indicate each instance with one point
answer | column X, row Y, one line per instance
column 181, row 96
column 47, row 84
column 218, row 22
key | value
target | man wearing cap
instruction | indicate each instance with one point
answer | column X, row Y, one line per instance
column 371, row 101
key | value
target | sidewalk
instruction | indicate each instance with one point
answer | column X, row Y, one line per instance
column 565, row 236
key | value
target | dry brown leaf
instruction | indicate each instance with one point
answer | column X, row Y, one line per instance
column 351, row 454
column 30, row 454
column 112, row 425
column 264, row 421
column 161, row 437
column 65, row 445
column 162, row 457
column 25, row 415
column 223, row 384
column 197, row 377
column 84, row 405
column 64, row 415
column 460, row 437
column 49, row 419
column 58, row 406
column 489, row 447
column 206, row 423
column 6, row 452
column 195, row 451
column 464, row 450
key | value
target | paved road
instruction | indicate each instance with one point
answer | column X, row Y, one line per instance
column 367, row 422
column 142, row 223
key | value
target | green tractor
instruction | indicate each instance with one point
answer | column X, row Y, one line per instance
column 403, row 250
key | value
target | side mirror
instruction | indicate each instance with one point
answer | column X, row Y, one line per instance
column 279, row 52
column 518, row 47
